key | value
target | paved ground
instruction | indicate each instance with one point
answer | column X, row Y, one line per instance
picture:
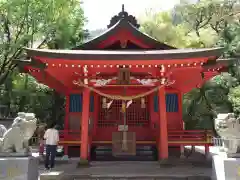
column 127, row 169
column 195, row 167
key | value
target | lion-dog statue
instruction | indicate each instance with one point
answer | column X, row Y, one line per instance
column 15, row 139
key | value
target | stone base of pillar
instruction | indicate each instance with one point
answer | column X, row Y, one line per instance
column 83, row 163
column 182, row 156
column 163, row 161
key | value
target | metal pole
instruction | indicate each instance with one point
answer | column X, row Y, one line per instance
column 124, row 142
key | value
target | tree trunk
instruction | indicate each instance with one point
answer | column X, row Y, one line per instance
column 23, row 99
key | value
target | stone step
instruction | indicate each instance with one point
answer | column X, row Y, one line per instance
column 85, row 177
column 52, row 176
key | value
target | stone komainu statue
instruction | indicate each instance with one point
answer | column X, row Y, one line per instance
column 16, row 138
column 228, row 127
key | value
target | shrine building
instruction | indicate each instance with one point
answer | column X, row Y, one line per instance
column 124, row 89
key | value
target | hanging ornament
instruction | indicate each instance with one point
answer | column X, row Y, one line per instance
column 123, row 44
column 162, row 69
column 143, row 105
column 123, row 107
column 104, row 103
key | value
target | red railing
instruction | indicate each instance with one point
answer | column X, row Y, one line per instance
column 175, row 137
column 69, row 134
column 189, row 137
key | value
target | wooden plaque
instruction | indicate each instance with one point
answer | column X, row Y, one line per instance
column 119, row 147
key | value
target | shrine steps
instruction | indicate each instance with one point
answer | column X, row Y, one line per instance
column 130, row 170
column 79, row 177
column 142, row 154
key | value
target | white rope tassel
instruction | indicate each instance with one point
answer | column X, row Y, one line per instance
column 104, row 103
column 129, row 103
column 143, row 103
column 109, row 104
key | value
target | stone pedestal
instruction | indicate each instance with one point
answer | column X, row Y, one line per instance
column 18, row 168
column 225, row 168
column 51, row 176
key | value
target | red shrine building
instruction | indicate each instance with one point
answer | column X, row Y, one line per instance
column 124, row 89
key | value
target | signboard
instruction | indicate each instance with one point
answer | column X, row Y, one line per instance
column 122, row 127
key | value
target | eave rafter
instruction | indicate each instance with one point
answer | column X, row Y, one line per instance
column 102, row 75
column 43, row 77
column 148, row 72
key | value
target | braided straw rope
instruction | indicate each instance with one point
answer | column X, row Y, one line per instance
column 119, row 97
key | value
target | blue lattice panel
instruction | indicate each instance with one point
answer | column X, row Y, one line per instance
column 76, row 103
column 171, row 103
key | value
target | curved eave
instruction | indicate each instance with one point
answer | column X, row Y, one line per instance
column 30, row 62
column 222, row 63
column 125, row 55
column 227, row 62
column 123, row 23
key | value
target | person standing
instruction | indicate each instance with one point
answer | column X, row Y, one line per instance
column 52, row 137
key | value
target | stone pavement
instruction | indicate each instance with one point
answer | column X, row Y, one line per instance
column 195, row 167
column 133, row 170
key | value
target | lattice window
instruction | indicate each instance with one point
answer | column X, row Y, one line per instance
column 135, row 115
column 111, row 116
column 171, row 103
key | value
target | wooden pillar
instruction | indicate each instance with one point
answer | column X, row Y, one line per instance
column 163, row 134
column 206, row 150
column 95, row 113
column 66, row 123
column 85, row 124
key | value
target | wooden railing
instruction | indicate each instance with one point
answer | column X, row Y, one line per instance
column 70, row 134
column 175, row 137
column 189, row 137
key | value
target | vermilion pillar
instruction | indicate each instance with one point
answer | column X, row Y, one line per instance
column 85, row 124
column 163, row 134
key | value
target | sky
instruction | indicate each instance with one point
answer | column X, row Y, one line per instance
column 99, row 12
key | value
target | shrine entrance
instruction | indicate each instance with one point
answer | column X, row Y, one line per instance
column 123, row 119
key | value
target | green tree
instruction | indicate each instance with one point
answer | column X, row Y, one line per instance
column 35, row 23
column 204, row 24
column 26, row 23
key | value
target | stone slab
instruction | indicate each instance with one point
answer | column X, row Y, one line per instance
column 18, row 168
column 9, row 154
column 225, row 168
column 53, row 175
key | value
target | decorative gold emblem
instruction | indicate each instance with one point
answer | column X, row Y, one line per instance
column 123, row 44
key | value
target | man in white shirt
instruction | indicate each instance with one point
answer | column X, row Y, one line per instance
column 52, row 137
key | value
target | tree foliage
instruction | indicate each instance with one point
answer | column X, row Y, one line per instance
column 28, row 23
column 38, row 24
column 208, row 23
